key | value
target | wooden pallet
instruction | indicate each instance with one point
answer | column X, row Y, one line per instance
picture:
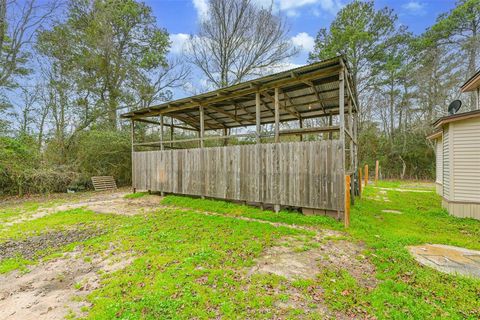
column 102, row 183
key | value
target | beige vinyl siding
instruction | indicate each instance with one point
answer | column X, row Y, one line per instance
column 446, row 163
column 466, row 160
column 439, row 160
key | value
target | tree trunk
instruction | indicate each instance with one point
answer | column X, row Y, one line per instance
column 3, row 23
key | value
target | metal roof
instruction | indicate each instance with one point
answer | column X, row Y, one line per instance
column 304, row 92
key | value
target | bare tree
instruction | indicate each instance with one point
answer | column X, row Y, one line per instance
column 19, row 21
column 238, row 39
column 156, row 86
column 25, row 113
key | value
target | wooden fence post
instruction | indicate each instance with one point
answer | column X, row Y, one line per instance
column 347, row 201
column 366, row 175
column 376, row 172
column 360, row 179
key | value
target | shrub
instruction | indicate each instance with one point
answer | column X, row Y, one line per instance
column 102, row 153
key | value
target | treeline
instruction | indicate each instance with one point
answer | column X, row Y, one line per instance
column 69, row 68
column 404, row 81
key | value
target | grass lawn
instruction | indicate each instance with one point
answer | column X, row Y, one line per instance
column 191, row 259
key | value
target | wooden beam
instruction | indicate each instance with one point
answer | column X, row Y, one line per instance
column 347, row 201
column 268, row 96
column 309, row 130
column 164, row 124
column 161, row 131
column 315, row 92
column 267, row 106
column 172, row 128
column 277, row 117
column 208, row 138
column 300, row 124
column 202, row 125
column 350, row 129
column 341, row 107
column 258, row 116
column 132, row 133
column 228, row 114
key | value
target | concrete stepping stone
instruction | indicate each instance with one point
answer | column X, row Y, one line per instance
column 448, row 259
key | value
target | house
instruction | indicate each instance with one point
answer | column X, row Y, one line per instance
column 248, row 142
column 457, row 148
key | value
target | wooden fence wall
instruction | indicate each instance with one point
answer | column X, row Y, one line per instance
column 299, row 174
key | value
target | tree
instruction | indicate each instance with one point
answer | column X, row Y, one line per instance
column 360, row 33
column 18, row 22
column 461, row 28
column 109, row 46
column 237, row 40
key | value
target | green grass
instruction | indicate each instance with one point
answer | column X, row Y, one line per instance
column 232, row 209
column 135, row 195
column 190, row 265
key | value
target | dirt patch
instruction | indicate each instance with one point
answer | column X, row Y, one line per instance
column 404, row 190
column 295, row 260
column 303, row 258
column 54, row 289
column 448, row 259
column 112, row 202
column 32, row 246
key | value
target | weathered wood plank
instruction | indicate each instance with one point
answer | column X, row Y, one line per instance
column 299, row 174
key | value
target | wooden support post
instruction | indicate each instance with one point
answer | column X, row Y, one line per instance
column 350, row 128
column 347, row 201
column 225, row 133
column 277, row 116
column 341, row 107
column 300, row 123
column 376, row 172
column 330, row 124
column 366, row 175
column 202, row 126
column 161, row 132
column 202, row 159
column 171, row 132
column 258, row 118
column 360, row 180
column 132, row 133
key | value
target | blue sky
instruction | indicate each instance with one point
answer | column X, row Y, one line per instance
column 305, row 17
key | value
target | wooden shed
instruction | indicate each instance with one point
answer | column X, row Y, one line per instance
column 287, row 139
column 457, row 148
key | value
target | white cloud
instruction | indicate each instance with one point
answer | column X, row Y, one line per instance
column 414, row 7
column 202, row 8
column 179, row 42
column 331, row 6
column 303, row 40
column 290, row 7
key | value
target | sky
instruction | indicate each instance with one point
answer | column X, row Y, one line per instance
column 305, row 17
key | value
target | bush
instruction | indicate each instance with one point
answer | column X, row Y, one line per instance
column 99, row 153
column 47, row 180
column 21, row 170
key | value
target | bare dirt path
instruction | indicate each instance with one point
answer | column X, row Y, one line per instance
column 104, row 202
column 54, row 289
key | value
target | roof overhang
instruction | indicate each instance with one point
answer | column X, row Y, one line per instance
column 472, row 84
column 435, row 135
column 305, row 92
column 456, row 117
